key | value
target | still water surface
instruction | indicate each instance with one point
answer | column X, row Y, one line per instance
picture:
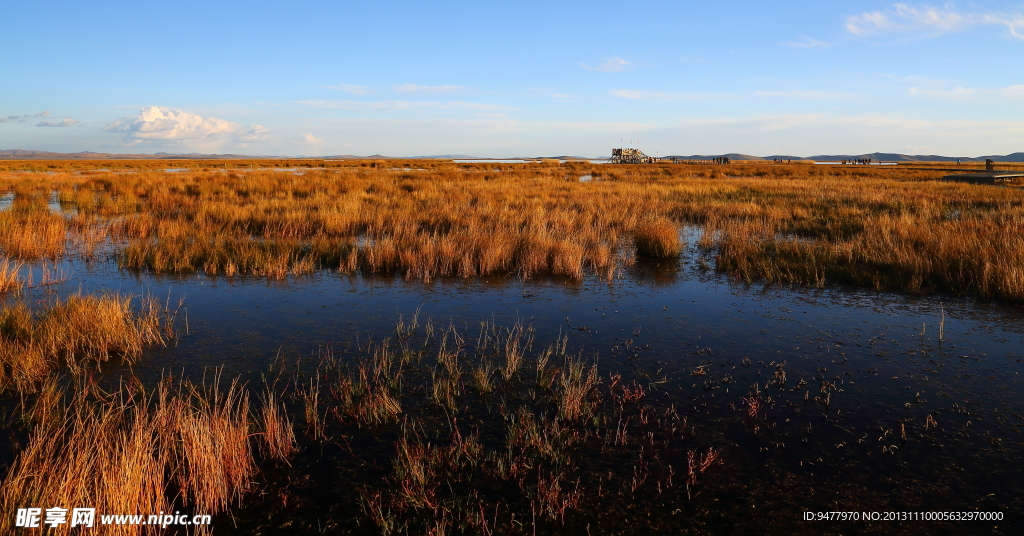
column 698, row 341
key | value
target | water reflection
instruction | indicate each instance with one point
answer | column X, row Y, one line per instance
column 862, row 369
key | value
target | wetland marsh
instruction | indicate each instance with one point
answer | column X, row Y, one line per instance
column 494, row 348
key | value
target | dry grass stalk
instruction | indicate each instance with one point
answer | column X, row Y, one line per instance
column 311, row 404
column 577, row 382
column 514, row 347
column 697, row 464
column 482, row 377
column 278, row 433
column 9, row 275
column 213, row 454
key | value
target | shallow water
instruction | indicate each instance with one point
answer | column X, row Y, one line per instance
column 697, row 341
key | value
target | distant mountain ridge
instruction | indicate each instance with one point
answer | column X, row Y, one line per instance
column 21, row 154
column 875, row 157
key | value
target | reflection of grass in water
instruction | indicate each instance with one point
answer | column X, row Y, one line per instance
column 538, row 440
column 555, row 439
column 9, row 275
column 125, row 451
column 546, row 440
column 75, row 332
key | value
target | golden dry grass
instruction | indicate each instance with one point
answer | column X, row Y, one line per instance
column 658, row 239
column 278, row 433
column 9, row 275
column 127, row 452
column 32, row 232
column 73, row 332
column 883, row 227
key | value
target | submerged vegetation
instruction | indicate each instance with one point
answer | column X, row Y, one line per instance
column 537, row 438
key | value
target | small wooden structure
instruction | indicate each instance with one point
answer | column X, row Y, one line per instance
column 986, row 177
column 631, row 156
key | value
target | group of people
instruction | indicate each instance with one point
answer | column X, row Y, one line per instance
column 781, row 161
column 719, row 160
column 859, row 161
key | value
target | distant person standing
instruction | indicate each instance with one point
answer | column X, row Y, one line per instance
column 958, row 161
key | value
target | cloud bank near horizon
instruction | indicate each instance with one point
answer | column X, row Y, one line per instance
column 160, row 124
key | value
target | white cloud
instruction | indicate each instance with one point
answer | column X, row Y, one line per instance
column 66, row 122
column 644, row 95
column 397, row 105
column 351, row 88
column 929, row 21
column 611, row 65
column 23, row 118
column 964, row 94
column 807, row 42
column 416, row 88
column 807, row 95
column 157, row 123
column 311, row 139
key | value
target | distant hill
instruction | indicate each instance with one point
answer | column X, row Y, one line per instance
column 896, row 157
column 736, row 156
column 877, row 157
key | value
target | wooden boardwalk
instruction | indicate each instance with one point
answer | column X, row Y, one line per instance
column 986, row 177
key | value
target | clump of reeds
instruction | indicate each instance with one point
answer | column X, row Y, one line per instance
column 515, row 345
column 210, row 433
column 658, row 238
column 95, row 327
column 9, row 275
column 127, row 452
column 278, row 433
column 29, row 231
column 364, row 395
column 482, row 377
column 77, row 330
column 577, row 382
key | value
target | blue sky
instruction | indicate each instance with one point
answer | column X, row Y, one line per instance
column 502, row 79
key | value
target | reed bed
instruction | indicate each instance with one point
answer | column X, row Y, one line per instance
column 890, row 227
column 76, row 331
column 30, row 231
column 128, row 452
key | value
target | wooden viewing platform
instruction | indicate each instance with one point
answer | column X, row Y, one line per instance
column 986, row 177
